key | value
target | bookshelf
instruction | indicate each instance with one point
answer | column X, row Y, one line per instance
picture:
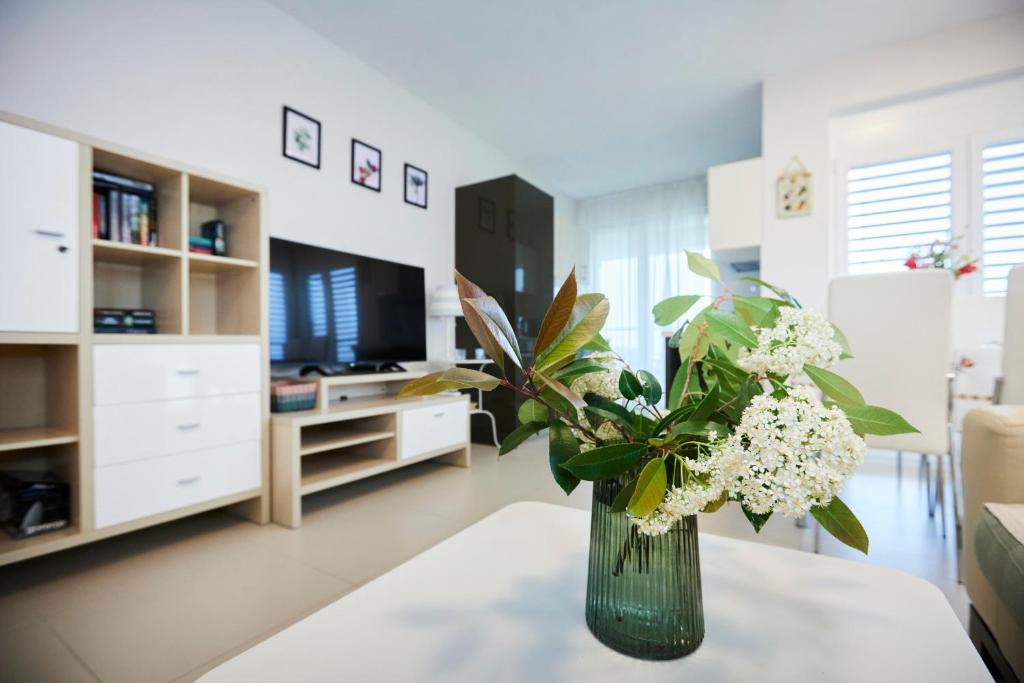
column 46, row 405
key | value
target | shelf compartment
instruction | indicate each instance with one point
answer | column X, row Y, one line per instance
column 170, row 191
column 35, row 437
column 226, row 301
column 338, row 435
column 154, row 284
column 330, row 468
column 109, row 251
column 60, row 460
column 40, row 391
column 239, row 208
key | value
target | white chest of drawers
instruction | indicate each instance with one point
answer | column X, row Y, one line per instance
column 174, row 425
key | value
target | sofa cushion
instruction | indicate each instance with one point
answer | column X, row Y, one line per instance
column 999, row 542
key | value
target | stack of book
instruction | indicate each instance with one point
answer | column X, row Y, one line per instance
column 124, row 321
column 123, row 210
column 200, row 245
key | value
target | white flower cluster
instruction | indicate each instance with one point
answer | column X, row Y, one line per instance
column 799, row 337
column 604, row 384
column 788, row 455
column 688, row 499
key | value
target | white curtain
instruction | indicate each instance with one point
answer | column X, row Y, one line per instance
column 637, row 243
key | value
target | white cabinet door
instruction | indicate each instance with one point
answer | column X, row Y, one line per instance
column 38, row 231
column 433, row 427
column 735, row 205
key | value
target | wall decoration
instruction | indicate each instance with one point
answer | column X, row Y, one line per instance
column 301, row 138
column 487, row 212
column 415, row 186
column 366, row 165
column 794, row 190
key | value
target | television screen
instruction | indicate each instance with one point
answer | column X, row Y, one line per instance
column 330, row 308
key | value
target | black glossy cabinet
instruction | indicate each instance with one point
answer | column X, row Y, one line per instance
column 504, row 242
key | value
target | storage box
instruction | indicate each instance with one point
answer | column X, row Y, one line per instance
column 288, row 395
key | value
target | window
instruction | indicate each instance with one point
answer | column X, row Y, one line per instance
column 897, row 208
column 1002, row 215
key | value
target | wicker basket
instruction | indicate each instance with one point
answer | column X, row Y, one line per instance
column 288, row 395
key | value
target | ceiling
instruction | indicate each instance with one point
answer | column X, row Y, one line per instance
column 595, row 96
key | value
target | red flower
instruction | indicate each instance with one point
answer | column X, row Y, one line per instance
column 966, row 269
column 911, row 263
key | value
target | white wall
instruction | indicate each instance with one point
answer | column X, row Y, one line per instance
column 797, row 252
column 203, row 82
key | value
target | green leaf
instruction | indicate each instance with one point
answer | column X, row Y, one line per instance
column 587, row 318
column 605, row 462
column 650, row 489
column 652, row 388
column 692, row 339
column 707, row 405
column 671, row 309
column 519, row 435
column 557, row 314
column 577, row 368
column 468, row 290
column 838, row 335
column 497, row 324
column 621, row 499
column 562, row 446
column 676, row 390
column 598, row 343
column 844, row 393
column 701, row 265
column 877, row 420
column 532, row 411
column 731, row 327
column 471, row 378
column 629, row 385
column 756, row 520
column 561, row 390
column 699, row 428
column 839, row 520
column 611, row 412
column 779, row 291
column 427, row 385
column 754, row 310
column 716, row 505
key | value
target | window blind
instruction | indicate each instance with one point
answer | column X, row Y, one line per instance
column 1002, row 213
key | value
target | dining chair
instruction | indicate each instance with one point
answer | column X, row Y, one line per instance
column 1012, row 389
column 900, row 329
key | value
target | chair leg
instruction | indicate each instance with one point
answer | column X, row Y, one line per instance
column 494, row 428
column 954, row 484
column 899, row 466
column 926, row 473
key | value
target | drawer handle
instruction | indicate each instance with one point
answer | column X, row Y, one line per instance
column 189, row 480
column 188, row 372
column 48, row 233
column 190, row 425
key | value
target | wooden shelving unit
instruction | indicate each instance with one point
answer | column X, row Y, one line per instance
column 46, row 404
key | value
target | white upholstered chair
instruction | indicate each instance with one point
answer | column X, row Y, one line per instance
column 1012, row 392
column 900, row 330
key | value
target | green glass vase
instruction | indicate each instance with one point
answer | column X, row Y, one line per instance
column 643, row 592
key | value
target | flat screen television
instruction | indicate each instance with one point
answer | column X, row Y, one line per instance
column 341, row 311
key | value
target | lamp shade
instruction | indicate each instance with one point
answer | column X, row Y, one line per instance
column 445, row 302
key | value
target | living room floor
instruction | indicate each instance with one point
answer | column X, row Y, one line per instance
column 171, row 602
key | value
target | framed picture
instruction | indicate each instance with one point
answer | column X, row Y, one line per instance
column 794, row 191
column 300, row 138
column 415, row 186
column 366, row 163
column 486, row 214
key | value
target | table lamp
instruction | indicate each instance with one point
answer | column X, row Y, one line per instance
column 445, row 304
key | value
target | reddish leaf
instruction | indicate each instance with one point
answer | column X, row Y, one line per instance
column 557, row 314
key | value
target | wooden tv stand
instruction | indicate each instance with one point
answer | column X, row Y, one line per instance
column 342, row 441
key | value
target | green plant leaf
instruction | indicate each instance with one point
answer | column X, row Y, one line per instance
column 621, row 499
column 562, row 446
column 497, row 324
column 839, row 520
column 671, row 309
column 629, row 385
column 532, row 411
column 427, row 385
column 779, row 291
column 707, row 405
column 597, row 343
column 605, row 462
column 650, row 489
column 699, row 428
column 562, row 390
column 557, row 314
column 692, row 339
column 844, row 393
column 676, row 390
column 754, row 310
column 468, row 290
column 756, row 520
column 519, row 435
column 587, row 318
column 841, row 339
column 731, row 327
column 471, row 378
column 570, row 373
column 877, row 420
column 651, row 387
column 701, row 265
column 716, row 505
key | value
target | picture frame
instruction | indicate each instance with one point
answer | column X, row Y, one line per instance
column 367, row 165
column 486, row 214
column 300, row 137
column 794, row 191
column 416, row 185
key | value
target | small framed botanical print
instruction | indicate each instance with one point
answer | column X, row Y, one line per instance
column 366, row 165
column 301, row 138
column 486, row 217
column 415, row 186
column 794, row 191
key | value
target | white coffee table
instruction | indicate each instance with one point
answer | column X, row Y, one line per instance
column 503, row 601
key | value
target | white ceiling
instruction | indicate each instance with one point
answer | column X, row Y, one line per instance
column 596, row 96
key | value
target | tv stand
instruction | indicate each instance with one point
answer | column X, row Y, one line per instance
column 350, row 369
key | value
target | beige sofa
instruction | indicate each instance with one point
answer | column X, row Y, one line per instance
column 993, row 476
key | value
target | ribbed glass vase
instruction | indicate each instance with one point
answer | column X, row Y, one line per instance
column 643, row 592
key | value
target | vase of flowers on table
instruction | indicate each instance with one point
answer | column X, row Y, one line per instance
column 943, row 254
column 732, row 429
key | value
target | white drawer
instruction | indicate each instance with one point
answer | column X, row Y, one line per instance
column 134, row 431
column 145, row 372
column 432, row 427
column 147, row 487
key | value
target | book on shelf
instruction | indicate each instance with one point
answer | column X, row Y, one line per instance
column 200, row 245
column 124, row 321
column 124, row 210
